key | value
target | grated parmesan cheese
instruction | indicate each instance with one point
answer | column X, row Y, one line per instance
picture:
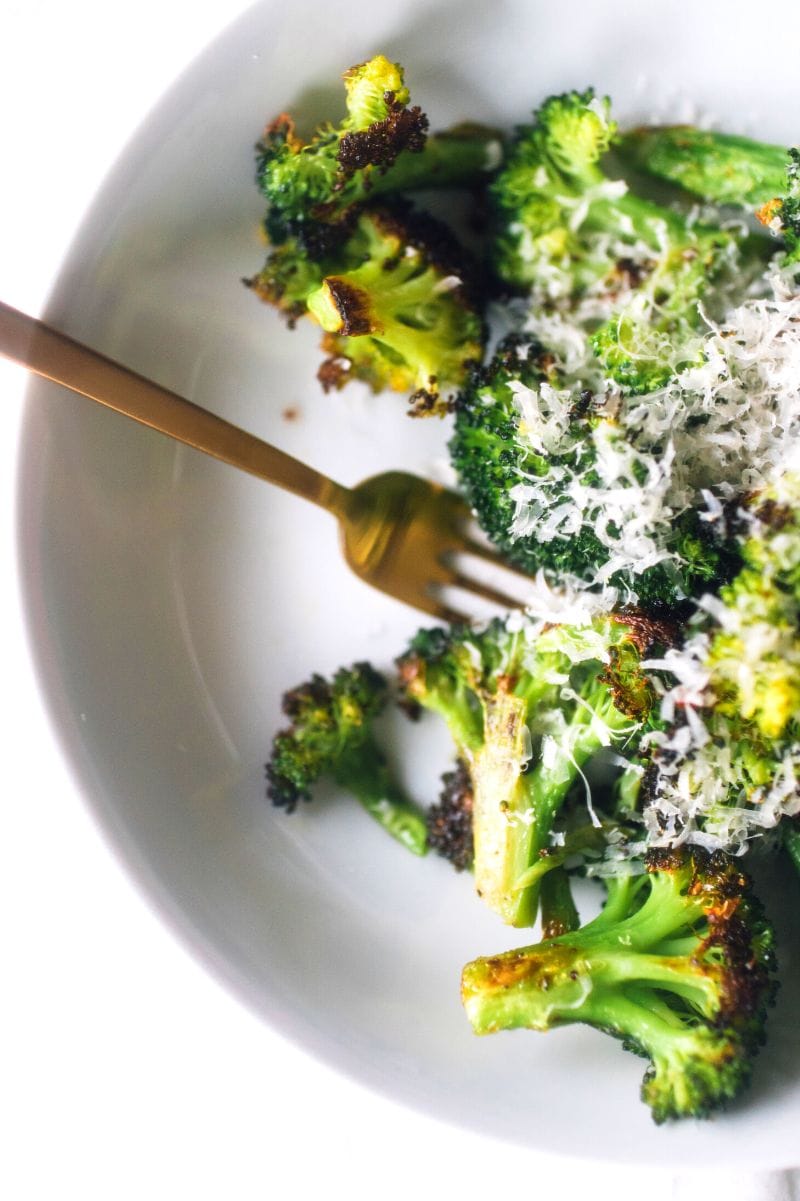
column 716, row 430
column 725, row 427
column 729, row 772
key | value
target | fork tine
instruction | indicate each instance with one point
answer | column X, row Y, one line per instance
column 446, row 614
column 485, row 591
column 470, row 547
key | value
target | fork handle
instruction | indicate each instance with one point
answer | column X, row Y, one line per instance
column 53, row 355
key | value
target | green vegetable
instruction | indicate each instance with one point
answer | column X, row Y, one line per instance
column 721, row 167
column 493, row 453
column 574, row 235
column 381, row 147
column 395, row 300
column 331, row 735
column 679, row 965
column 727, row 169
column 782, row 213
column 731, row 772
column 527, row 714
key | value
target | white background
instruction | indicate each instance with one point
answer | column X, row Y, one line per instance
column 125, row 1071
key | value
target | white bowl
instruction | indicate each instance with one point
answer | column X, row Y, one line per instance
column 172, row 600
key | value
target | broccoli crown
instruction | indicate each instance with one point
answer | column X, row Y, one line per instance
column 330, row 721
column 303, row 181
column 653, row 333
column 399, row 313
column 381, row 146
column 720, row 167
column 395, row 295
column 331, row 734
column 782, row 213
column 548, row 169
column 560, row 484
column 287, row 279
column 679, row 965
column 576, row 237
column 762, row 611
column 527, row 710
column 728, row 763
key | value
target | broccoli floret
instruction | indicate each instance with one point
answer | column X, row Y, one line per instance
column 402, row 315
column 527, row 710
column 729, row 763
column 287, row 279
column 394, row 296
column 761, row 610
column 382, row 146
column 544, row 462
column 331, row 735
column 726, row 169
column 753, row 652
column 578, row 238
column 679, row 965
column 541, row 190
column 720, row 167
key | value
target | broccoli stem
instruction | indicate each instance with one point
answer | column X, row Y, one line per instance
column 700, row 990
column 723, row 168
column 636, row 1017
column 620, row 898
column 462, row 719
column 558, row 911
column 544, row 791
column 664, row 914
column 456, row 158
column 509, row 843
column 366, row 775
column 648, row 930
column 697, row 1012
column 539, row 987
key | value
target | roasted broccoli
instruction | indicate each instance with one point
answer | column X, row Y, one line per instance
column 726, row 765
column 679, row 965
column 557, row 908
column 720, row 167
column 396, row 302
column 331, row 735
column 527, row 710
column 450, row 819
column 561, row 483
column 630, row 447
column 634, row 269
column 382, row 146
column 726, row 169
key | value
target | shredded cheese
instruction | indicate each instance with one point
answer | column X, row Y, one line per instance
column 715, row 431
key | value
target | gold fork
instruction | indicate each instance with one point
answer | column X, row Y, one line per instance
column 399, row 533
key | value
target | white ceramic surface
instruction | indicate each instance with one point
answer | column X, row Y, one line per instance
column 172, row 601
